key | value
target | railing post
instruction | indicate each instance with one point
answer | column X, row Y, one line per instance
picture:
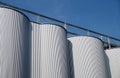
column 88, row 32
column 109, row 44
column 65, row 26
column 38, row 19
column 101, row 37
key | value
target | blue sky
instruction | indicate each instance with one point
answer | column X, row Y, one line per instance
column 100, row 15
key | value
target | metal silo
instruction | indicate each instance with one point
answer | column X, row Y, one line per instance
column 113, row 56
column 88, row 57
column 36, row 51
column 14, row 41
column 49, row 51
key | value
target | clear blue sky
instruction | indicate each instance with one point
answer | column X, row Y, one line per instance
column 99, row 15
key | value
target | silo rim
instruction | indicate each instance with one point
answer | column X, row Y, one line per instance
column 50, row 24
column 86, row 36
column 113, row 48
column 15, row 10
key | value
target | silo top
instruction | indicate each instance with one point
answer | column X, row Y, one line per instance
column 12, row 9
column 113, row 49
column 50, row 24
column 84, row 36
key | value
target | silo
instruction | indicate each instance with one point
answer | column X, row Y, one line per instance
column 49, row 51
column 36, row 51
column 113, row 56
column 88, row 57
column 14, row 44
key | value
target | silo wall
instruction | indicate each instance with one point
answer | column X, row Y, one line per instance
column 113, row 56
column 88, row 57
column 36, row 51
column 14, row 44
column 49, row 54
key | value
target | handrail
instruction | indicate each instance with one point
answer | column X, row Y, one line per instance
column 68, row 24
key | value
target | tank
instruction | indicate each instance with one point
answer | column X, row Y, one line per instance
column 88, row 57
column 49, row 51
column 14, row 44
column 36, row 51
column 113, row 56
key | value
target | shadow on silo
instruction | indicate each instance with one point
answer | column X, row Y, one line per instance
column 70, row 60
column 27, row 55
column 108, row 66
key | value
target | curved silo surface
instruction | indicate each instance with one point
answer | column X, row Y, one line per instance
column 36, row 51
column 14, row 41
column 88, row 57
column 113, row 56
column 50, row 58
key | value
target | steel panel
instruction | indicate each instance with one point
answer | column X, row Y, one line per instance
column 88, row 57
column 113, row 56
column 14, row 44
column 49, row 51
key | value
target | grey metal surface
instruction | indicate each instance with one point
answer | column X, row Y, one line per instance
column 88, row 57
column 113, row 56
column 36, row 51
column 49, row 51
column 14, row 44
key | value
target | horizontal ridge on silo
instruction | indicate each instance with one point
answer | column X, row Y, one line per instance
column 88, row 57
column 14, row 43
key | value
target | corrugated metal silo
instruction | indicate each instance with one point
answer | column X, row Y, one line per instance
column 49, row 51
column 14, row 41
column 88, row 57
column 36, row 51
column 113, row 56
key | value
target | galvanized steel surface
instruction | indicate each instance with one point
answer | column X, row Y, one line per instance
column 88, row 57
column 14, row 41
column 36, row 51
column 113, row 56
column 49, row 54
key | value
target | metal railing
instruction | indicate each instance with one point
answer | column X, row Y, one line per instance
column 109, row 41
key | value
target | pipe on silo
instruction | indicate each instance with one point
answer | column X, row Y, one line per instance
column 88, row 57
column 113, row 56
column 14, row 44
column 49, row 51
